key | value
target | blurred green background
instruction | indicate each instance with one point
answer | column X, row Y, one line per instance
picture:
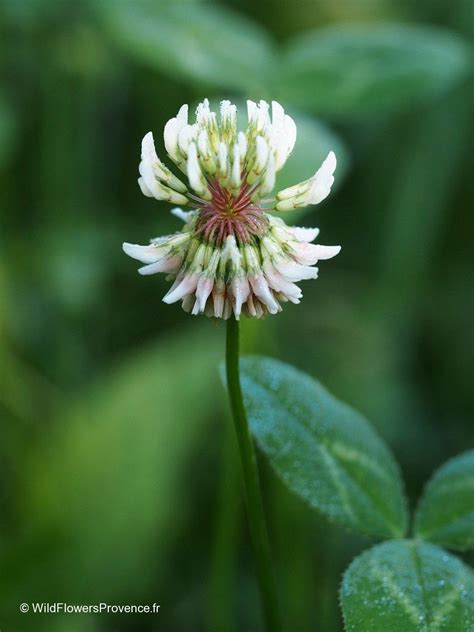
column 118, row 475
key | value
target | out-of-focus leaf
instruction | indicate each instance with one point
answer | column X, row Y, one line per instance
column 202, row 43
column 324, row 450
column 28, row 13
column 445, row 514
column 352, row 69
column 7, row 131
column 410, row 587
column 103, row 491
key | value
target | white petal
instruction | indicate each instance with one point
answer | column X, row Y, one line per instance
column 304, row 234
column 145, row 254
column 322, row 180
column 231, row 252
column 278, row 283
column 186, row 286
column 269, row 177
column 304, row 253
column 228, row 113
column 262, row 154
column 203, row 113
column 236, row 169
column 170, row 136
column 279, row 135
column 182, row 115
column 309, row 254
column 148, row 147
column 223, row 153
column 186, row 135
column 144, row 189
column 294, row 191
column 203, row 143
column 262, row 115
column 296, row 272
column 278, row 115
column 251, row 111
column 240, row 289
column 146, row 171
column 203, row 291
column 327, row 252
column 195, row 177
column 263, row 292
column 167, row 264
column 242, row 141
column 172, row 129
column 180, row 214
column 291, row 132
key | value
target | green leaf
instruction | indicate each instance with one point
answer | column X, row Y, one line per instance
column 408, row 586
column 199, row 43
column 351, row 69
column 324, row 450
column 445, row 514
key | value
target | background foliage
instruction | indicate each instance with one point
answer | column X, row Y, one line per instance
column 118, row 478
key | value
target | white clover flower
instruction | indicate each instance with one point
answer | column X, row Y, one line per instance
column 232, row 256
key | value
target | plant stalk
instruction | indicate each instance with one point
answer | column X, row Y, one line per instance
column 255, row 514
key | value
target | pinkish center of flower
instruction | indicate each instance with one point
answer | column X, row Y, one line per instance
column 230, row 214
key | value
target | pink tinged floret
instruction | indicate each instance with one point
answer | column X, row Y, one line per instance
column 181, row 288
column 296, row 272
column 309, row 254
column 280, row 284
column 303, row 234
column 218, row 297
column 240, row 290
column 203, row 291
column 263, row 292
column 145, row 254
column 167, row 264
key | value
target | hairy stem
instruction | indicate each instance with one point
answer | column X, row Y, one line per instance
column 255, row 515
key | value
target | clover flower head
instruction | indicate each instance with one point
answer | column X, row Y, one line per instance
column 232, row 256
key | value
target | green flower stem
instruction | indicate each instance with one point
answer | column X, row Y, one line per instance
column 256, row 517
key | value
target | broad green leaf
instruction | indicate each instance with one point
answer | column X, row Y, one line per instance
column 324, row 450
column 445, row 514
column 407, row 586
column 199, row 43
column 351, row 69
